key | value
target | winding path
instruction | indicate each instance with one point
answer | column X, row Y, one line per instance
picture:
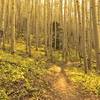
column 63, row 88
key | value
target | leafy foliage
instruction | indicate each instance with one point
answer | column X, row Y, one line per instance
column 22, row 77
column 90, row 82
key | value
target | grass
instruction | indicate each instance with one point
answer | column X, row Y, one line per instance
column 90, row 81
column 21, row 76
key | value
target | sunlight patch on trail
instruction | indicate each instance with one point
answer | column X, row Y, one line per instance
column 60, row 82
column 55, row 69
column 63, row 87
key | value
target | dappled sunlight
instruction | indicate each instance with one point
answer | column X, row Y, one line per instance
column 61, row 85
column 55, row 69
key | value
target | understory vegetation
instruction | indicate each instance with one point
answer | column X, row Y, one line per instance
column 88, row 82
column 21, row 76
column 25, row 77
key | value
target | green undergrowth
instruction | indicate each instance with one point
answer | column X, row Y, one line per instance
column 22, row 76
column 90, row 82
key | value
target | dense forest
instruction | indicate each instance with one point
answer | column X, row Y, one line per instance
column 49, row 49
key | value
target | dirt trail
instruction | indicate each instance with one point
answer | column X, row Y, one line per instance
column 63, row 88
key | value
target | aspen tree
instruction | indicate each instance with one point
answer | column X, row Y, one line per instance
column 65, row 31
column 18, row 15
column 48, row 26
column 28, row 27
column 13, row 32
column 28, row 32
column 37, row 23
column 1, row 12
column 76, row 27
column 50, row 32
column 96, row 35
column 55, row 33
column 9, row 21
column 88, row 36
column 84, row 36
column 51, row 27
column 99, row 11
column 45, row 24
column 80, row 32
column 3, row 22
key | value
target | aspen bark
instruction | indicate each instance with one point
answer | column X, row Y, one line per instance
column 96, row 35
column 13, row 26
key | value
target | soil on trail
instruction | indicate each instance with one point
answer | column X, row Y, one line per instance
column 63, row 88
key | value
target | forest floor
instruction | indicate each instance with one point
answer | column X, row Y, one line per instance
column 34, row 78
column 64, row 88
